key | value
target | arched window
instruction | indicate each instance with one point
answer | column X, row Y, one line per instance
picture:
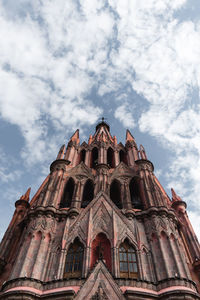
column 68, row 194
column 135, row 194
column 127, row 261
column 74, row 260
column 82, row 155
column 101, row 249
column 115, row 193
column 88, row 193
column 94, row 160
column 110, row 158
column 122, row 156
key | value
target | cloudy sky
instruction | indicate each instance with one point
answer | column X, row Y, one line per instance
column 66, row 63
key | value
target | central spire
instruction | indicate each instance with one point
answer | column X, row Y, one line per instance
column 102, row 124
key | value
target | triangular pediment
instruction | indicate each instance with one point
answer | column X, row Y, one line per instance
column 81, row 170
column 122, row 170
column 100, row 285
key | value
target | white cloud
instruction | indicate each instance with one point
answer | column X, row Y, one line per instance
column 123, row 114
column 50, row 63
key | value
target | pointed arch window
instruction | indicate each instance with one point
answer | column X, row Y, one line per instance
column 115, row 193
column 94, row 160
column 74, row 260
column 68, row 194
column 82, row 155
column 135, row 194
column 122, row 156
column 88, row 193
column 101, row 249
column 127, row 261
column 110, row 158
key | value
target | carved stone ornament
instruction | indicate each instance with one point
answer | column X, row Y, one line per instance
column 81, row 177
column 100, row 294
column 43, row 223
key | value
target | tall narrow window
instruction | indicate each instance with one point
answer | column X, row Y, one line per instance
column 101, row 249
column 115, row 193
column 88, row 193
column 135, row 194
column 82, row 155
column 122, row 156
column 110, row 158
column 94, row 160
column 74, row 260
column 127, row 261
column 68, row 194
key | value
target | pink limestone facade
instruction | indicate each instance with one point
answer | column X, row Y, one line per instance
column 100, row 226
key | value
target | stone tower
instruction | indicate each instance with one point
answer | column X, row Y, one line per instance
column 100, row 226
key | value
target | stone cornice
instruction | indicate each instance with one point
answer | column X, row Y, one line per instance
column 52, row 211
column 59, row 164
column 154, row 211
column 145, row 164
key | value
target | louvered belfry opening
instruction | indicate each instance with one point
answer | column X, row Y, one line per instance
column 68, row 194
column 115, row 193
column 88, row 193
column 82, row 155
column 122, row 156
column 110, row 158
column 135, row 194
column 94, row 158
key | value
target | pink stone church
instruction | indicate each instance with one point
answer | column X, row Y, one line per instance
column 100, row 226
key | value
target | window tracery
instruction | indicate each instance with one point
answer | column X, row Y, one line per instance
column 127, row 261
column 74, row 261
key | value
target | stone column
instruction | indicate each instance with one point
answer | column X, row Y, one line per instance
column 41, row 256
column 31, row 255
column 61, row 264
column 117, row 160
column 20, row 258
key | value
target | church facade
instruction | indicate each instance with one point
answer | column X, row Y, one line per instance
column 100, row 226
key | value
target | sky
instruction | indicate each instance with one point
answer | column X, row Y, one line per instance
column 65, row 64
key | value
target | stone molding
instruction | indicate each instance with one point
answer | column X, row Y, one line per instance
column 145, row 164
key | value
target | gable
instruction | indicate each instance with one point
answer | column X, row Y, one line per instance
column 101, row 215
column 81, row 170
column 101, row 283
column 122, row 170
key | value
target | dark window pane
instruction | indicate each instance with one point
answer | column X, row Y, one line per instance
column 125, row 256
column 135, row 268
column 130, row 258
column 67, row 268
column 125, row 267
column 131, row 267
column 121, row 256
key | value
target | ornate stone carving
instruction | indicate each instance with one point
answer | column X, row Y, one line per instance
column 43, row 223
column 100, row 294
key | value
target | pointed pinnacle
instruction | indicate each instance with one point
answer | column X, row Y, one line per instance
column 175, row 197
column 129, row 136
column 75, row 136
column 26, row 195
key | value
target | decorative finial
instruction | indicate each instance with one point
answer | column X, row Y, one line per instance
column 102, row 123
column 103, row 119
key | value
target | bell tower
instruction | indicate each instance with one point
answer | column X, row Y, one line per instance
column 100, row 226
